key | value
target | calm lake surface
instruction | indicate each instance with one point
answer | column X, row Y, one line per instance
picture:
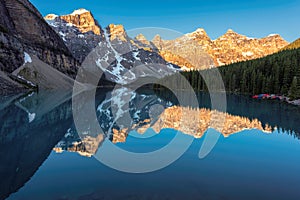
column 43, row 157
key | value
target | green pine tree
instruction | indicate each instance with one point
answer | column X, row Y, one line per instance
column 293, row 94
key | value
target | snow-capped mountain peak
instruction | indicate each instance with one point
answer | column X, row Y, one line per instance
column 83, row 20
column 199, row 34
column 230, row 31
column 79, row 30
column 273, row 35
column 80, row 11
column 200, row 31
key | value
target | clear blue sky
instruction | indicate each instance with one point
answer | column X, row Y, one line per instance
column 256, row 18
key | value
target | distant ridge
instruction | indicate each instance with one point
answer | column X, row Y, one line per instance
column 293, row 45
column 231, row 47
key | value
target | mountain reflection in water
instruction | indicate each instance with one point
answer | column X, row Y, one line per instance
column 33, row 125
column 142, row 117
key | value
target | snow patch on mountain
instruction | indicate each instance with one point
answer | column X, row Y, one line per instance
column 248, row 53
column 79, row 11
column 273, row 34
column 135, row 55
column 63, row 36
column 31, row 117
column 119, row 67
column 27, row 58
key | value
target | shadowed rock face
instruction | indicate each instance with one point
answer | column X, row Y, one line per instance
column 23, row 29
column 9, row 86
column 44, row 76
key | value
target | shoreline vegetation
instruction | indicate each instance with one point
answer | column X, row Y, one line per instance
column 277, row 74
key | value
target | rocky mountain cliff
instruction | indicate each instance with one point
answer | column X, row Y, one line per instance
column 184, row 52
column 72, row 38
column 196, row 50
column 23, row 32
column 229, row 48
column 84, row 20
column 109, row 50
column 79, row 30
